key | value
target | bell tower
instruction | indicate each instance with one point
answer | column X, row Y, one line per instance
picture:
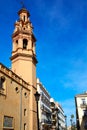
column 24, row 59
column 23, row 53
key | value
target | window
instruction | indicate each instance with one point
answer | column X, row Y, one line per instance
column 25, row 43
column 8, row 122
column 24, row 18
column 85, row 112
column 16, row 45
column 2, row 80
column 2, row 85
column 25, row 126
column 25, row 112
column 16, row 89
column 83, row 101
column 25, row 94
column 16, row 41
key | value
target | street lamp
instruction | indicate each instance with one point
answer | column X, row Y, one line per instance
column 37, row 96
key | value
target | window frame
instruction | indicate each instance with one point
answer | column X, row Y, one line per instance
column 8, row 127
column 25, row 43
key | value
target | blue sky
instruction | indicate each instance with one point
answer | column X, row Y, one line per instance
column 60, row 27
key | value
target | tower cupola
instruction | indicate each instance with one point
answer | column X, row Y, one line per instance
column 24, row 14
column 23, row 24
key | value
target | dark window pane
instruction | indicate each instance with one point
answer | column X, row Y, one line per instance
column 8, row 121
column 25, row 43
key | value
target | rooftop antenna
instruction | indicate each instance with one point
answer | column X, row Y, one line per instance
column 22, row 4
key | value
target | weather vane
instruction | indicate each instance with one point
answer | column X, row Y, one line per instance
column 22, row 3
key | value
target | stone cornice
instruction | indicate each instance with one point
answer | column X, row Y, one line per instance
column 24, row 32
column 13, row 76
column 25, row 55
column 20, row 32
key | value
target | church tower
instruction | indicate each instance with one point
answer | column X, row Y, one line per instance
column 23, row 54
column 24, row 59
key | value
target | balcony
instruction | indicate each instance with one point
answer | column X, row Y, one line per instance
column 83, row 105
column 46, row 122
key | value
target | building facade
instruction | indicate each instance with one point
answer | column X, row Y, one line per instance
column 44, row 107
column 61, row 117
column 54, row 115
column 14, row 101
column 18, row 85
column 81, row 111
